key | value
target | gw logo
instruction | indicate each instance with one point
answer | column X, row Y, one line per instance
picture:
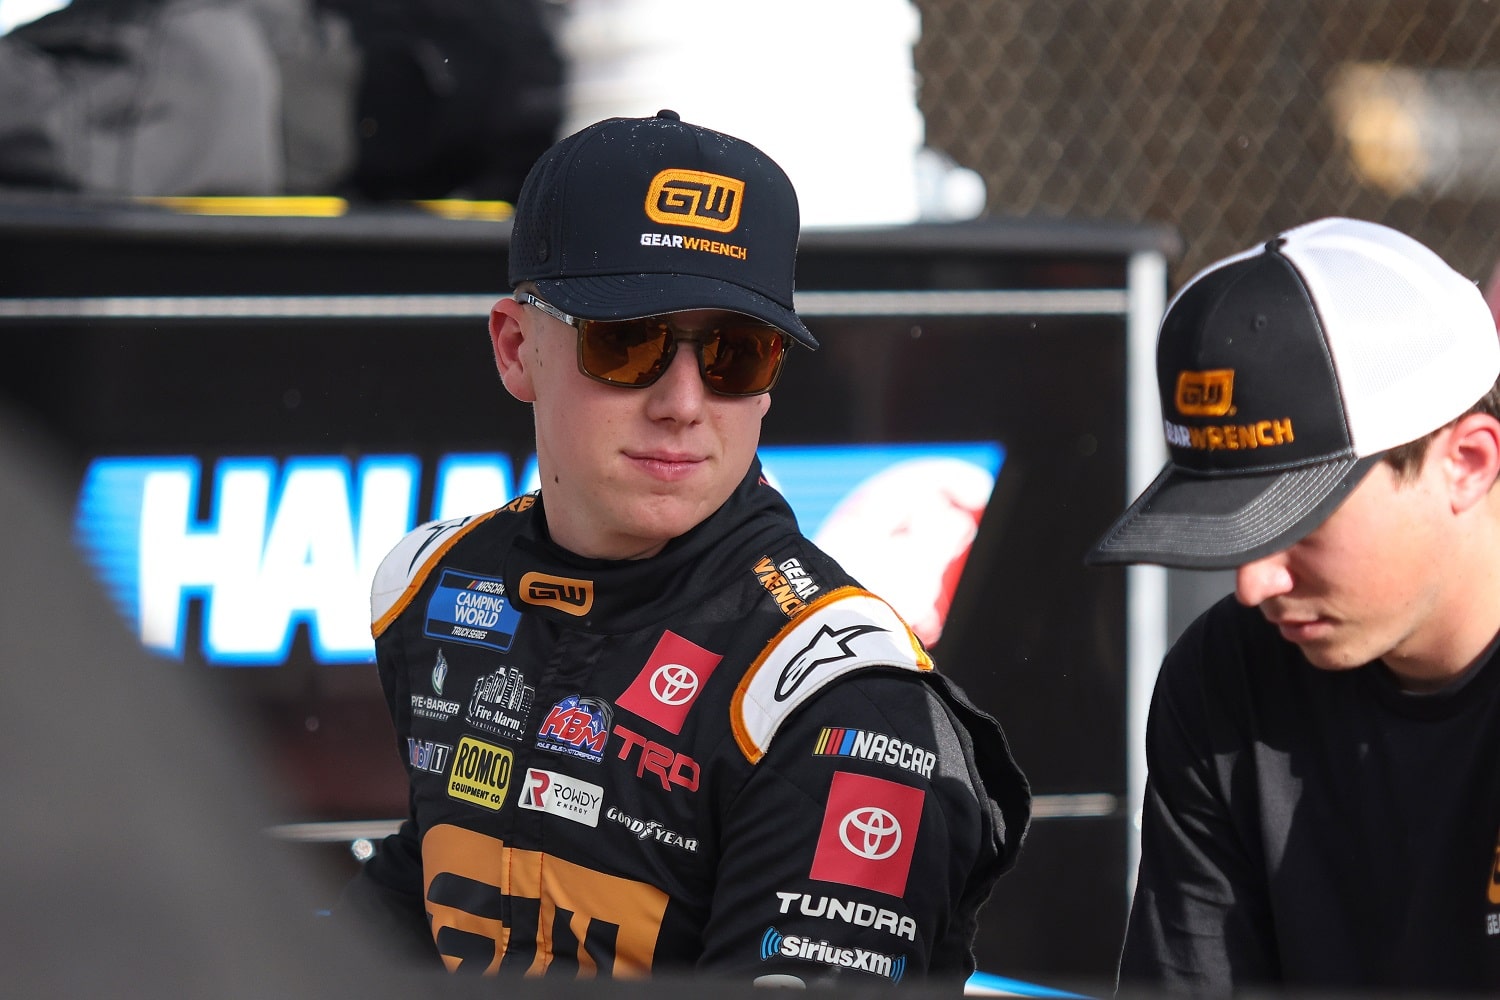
column 494, row 907
column 573, row 597
column 1205, row 394
column 694, row 198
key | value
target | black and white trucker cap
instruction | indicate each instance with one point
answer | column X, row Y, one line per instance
column 1285, row 372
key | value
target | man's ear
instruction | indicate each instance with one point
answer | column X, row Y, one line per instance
column 511, row 349
column 1472, row 454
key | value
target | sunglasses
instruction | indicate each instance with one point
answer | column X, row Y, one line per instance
column 737, row 356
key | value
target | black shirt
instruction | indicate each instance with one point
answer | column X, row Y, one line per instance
column 1314, row 828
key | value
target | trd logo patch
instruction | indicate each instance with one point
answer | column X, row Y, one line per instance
column 572, row 597
column 671, row 768
column 1205, row 394
column 869, row 833
column 695, row 198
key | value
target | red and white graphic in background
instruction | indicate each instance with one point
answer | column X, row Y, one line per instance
column 905, row 533
column 669, row 683
column 869, row 833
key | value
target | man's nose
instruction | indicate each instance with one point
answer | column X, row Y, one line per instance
column 681, row 387
column 1259, row 581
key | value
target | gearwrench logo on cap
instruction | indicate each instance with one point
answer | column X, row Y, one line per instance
column 695, row 198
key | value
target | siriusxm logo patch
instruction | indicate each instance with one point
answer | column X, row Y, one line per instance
column 774, row 943
column 269, row 545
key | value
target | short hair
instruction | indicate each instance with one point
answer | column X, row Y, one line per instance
column 1407, row 458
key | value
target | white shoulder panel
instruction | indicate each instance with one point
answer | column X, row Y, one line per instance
column 846, row 630
column 404, row 568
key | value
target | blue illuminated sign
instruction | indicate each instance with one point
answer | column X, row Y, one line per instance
column 295, row 541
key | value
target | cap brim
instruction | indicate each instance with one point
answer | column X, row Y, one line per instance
column 1200, row 522
column 627, row 296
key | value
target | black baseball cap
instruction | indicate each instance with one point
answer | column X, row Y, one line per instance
column 632, row 217
column 1285, row 372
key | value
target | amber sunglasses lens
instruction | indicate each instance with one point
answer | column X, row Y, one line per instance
column 743, row 359
column 737, row 358
column 631, row 352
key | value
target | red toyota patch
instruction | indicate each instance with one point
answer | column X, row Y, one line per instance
column 869, row 833
column 670, row 682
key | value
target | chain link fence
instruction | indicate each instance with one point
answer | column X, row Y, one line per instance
column 1226, row 119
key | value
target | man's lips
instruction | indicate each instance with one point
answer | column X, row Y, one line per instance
column 1300, row 627
column 667, row 465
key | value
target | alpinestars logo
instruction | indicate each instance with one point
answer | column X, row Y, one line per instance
column 774, row 943
column 828, row 646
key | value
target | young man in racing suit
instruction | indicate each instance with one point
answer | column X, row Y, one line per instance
column 649, row 726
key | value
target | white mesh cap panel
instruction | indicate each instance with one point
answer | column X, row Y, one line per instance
column 1412, row 340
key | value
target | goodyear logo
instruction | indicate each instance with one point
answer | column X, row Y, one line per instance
column 1205, row 394
column 695, row 198
column 481, row 773
column 572, row 597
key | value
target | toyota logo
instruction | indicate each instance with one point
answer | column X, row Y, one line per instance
column 871, row 833
column 674, row 684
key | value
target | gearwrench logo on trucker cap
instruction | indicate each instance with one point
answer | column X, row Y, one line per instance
column 1205, row 394
column 695, row 198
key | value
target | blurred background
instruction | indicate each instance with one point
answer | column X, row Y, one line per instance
column 1226, row 120
column 246, row 249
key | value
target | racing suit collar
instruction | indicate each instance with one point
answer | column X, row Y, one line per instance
column 616, row 595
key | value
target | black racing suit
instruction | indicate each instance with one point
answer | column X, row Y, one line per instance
column 727, row 757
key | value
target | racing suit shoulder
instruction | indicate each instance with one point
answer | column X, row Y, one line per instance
column 866, row 840
column 403, row 570
column 845, row 630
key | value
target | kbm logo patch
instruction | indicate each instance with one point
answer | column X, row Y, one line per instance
column 1205, row 394
column 571, row 597
column 481, row 773
column 577, row 726
column 694, row 198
